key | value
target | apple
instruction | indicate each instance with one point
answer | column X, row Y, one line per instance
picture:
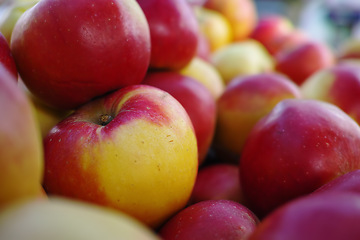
column 203, row 50
column 245, row 100
column 215, row 27
column 349, row 182
column 289, row 40
column 349, row 49
column 339, row 85
column 21, row 155
column 60, row 218
column 298, row 147
column 269, row 28
column 242, row 58
column 173, row 30
column 6, row 57
column 205, row 73
column 211, row 219
column 69, row 52
column 133, row 150
column 11, row 14
column 217, row 181
column 241, row 14
column 321, row 216
column 300, row 62
column 197, row 101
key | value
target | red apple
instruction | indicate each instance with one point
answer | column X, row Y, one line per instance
column 339, row 85
column 133, row 150
column 269, row 28
column 244, row 101
column 60, row 218
column 321, row 216
column 299, row 62
column 173, row 31
column 299, row 146
column 68, row 52
column 21, row 151
column 217, row 181
column 211, row 220
column 349, row 182
column 289, row 40
column 197, row 101
column 6, row 57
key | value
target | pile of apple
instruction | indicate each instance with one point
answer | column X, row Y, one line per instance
column 174, row 119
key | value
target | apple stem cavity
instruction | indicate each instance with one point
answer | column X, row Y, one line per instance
column 104, row 119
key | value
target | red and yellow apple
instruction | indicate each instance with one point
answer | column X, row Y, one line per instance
column 298, row 147
column 133, row 150
column 303, row 60
column 339, row 85
column 197, row 101
column 21, row 155
column 247, row 57
column 241, row 14
column 61, row 218
column 210, row 220
column 68, row 52
column 6, row 57
column 173, row 30
column 244, row 102
column 205, row 73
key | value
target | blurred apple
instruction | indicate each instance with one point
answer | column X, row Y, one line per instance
column 210, row 220
column 133, row 150
column 339, row 85
column 197, row 101
column 68, row 52
column 241, row 14
column 11, row 14
column 215, row 27
column 299, row 146
column 60, row 218
column 321, row 216
column 173, row 30
column 300, row 62
column 21, row 155
column 269, row 28
column 244, row 102
column 203, row 48
column 242, row 58
column 205, row 73
column 349, row 49
column 218, row 181
column 6, row 57
column 289, row 40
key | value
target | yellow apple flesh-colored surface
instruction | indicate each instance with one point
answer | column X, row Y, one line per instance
column 215, row 27
column 60, row 218
column 143, row 162
column 206, row 74
column 242, row 58
column 21, row 151
column 318, row 85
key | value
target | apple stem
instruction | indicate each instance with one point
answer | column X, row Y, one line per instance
column 104, row 119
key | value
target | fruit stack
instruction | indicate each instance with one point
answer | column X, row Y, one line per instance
column 174, row 119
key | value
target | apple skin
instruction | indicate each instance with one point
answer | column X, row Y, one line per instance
column 241, row 14
column 197, row 101
column 76, row 58
column 320, row 216
column 305, row 59
column 299, row 146
column 21, row 155
column 143, row 162
column 6, row 57
column 245, row 100
column 174, row 32
column 269, row 28
column 349, row 182
column 210, row 220
column 246, row 57
column 339, row 85
column 206, row 74
column 60, row 218
column 219, row 181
